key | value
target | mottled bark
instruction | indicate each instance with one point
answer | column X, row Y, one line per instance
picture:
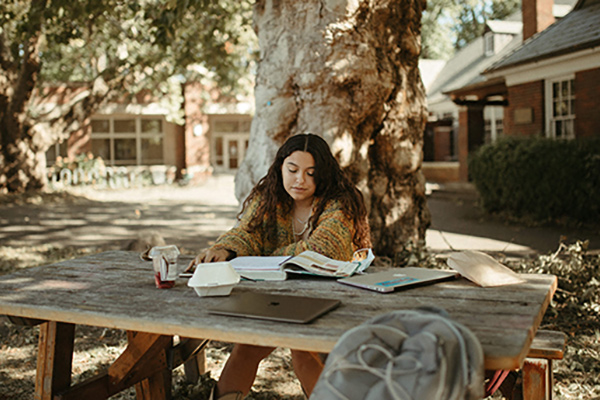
column 347, row 70
column 19, row 162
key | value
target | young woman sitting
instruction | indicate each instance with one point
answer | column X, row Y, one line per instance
column 305, row 202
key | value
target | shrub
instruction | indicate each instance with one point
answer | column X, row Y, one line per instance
column 539, row 178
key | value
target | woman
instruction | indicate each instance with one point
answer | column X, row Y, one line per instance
column 305, row 202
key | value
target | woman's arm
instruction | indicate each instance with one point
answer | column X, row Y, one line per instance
column 239, row 240
column 332, row 237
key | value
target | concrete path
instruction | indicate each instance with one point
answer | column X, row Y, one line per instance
column 459, row 223
column 193, row 216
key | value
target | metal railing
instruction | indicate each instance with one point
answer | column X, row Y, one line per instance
column 112, row 177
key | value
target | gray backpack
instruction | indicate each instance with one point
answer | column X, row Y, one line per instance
column 406, row 354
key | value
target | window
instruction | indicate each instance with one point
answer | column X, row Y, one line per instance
column 128, row 140
column 234, row 153
column 101, row 148
column 229, row 140
column 493, row 123
column 219, row 151
column 55, row 151
column 560, row 108
column 488, row 44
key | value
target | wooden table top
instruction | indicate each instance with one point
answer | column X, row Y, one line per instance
column 116, row 290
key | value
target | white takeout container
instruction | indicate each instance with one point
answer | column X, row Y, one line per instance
column 214, row 279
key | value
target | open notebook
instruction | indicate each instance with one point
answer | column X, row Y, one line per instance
column 276, row 268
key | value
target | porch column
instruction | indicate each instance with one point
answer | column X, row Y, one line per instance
column 471, row 132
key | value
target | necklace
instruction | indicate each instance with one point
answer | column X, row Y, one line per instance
column 303, row 222
column 306, row 224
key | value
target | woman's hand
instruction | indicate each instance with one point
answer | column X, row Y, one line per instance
column 209, row 255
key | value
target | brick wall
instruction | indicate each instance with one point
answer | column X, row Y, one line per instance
column 442, row 143
column 197, row 147
column 537, row 16
column 587, row 103
column 525, row 99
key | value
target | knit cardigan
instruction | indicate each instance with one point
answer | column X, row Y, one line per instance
column 331, row 236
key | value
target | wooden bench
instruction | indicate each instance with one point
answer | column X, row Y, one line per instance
column 537, row 369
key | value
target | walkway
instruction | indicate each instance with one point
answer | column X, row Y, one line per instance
column 193, row 216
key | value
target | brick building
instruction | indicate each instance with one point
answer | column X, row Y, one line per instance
column 211, row 137
column 548, row 85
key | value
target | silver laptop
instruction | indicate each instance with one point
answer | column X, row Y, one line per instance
column 274, row 307
column 398, row 278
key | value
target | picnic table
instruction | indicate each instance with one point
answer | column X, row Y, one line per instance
column 116, row 289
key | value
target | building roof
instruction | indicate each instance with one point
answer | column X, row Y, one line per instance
column 465, row 68
column 576, row 31
column 512, row 27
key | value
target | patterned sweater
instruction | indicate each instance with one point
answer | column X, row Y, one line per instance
column 331, row 236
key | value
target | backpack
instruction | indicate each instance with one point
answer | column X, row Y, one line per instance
column 416, row 354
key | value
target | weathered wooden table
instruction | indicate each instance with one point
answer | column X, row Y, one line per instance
column 116, row 290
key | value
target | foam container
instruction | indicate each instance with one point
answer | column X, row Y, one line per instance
column 214, row 279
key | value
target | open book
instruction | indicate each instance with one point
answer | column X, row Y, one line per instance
column 276, row 268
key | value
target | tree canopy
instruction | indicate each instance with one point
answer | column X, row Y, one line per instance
column 450, row 25
column 115, row 48
column 144, row 43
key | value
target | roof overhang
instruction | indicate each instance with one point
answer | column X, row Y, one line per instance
column 547, row 68
column 491, row 92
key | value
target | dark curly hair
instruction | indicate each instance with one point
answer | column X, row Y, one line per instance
column 331, row 184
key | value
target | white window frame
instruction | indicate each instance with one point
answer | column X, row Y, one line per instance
column 549, row 107
column 240, row 137
column 489, row 44
column 61, row 149
column 494, row 122
column 138, row 135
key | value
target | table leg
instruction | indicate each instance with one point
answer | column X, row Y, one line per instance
column 190, row 353
column 144, row 359
column 157, row 386
column 195, row 366
column 537, row 375
column 55, row 357
column 147, row 363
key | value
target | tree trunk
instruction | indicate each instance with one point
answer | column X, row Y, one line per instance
column 23, row 140
column 347, row 71
column 20, row 167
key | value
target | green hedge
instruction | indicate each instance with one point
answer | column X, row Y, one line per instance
column 539, row 178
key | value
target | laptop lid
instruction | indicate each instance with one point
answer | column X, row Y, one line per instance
column 274, row 307
column 398, row 278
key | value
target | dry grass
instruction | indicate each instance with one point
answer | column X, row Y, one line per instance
column 575, row 310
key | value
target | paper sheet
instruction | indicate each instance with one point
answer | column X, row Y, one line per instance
column 482, row 269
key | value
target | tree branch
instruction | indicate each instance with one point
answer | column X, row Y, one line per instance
column 30, row 65
column 6, row 62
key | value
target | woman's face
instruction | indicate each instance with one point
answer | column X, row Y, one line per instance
column 298, row 171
